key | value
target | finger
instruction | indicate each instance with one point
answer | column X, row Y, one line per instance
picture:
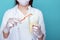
column 15, row 23
column 35, row 27
column 34, row 30
column 10, row 24
column 35, row 33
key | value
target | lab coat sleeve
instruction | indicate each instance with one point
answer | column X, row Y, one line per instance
column 4, row 22
column 41, row 23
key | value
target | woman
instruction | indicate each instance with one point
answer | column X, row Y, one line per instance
column 23, row 22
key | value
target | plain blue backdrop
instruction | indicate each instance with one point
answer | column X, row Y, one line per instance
column 51, row 12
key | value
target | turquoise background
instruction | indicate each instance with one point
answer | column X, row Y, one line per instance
column 51, row 12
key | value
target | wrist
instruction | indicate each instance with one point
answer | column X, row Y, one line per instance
column 40, row 36
column 6, row 30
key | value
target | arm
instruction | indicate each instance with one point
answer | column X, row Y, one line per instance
column 3, row 25
column 41, row 22
column 7, row 24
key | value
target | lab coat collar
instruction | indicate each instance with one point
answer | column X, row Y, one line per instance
column 29, row 7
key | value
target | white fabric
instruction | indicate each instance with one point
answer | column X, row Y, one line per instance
column 21, row 31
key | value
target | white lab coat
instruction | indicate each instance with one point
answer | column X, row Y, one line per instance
column 21, row 31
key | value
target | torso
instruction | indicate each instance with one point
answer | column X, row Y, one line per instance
column 24, row 32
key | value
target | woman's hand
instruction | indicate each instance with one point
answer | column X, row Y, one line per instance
column 37, row 31
column 10, row 24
